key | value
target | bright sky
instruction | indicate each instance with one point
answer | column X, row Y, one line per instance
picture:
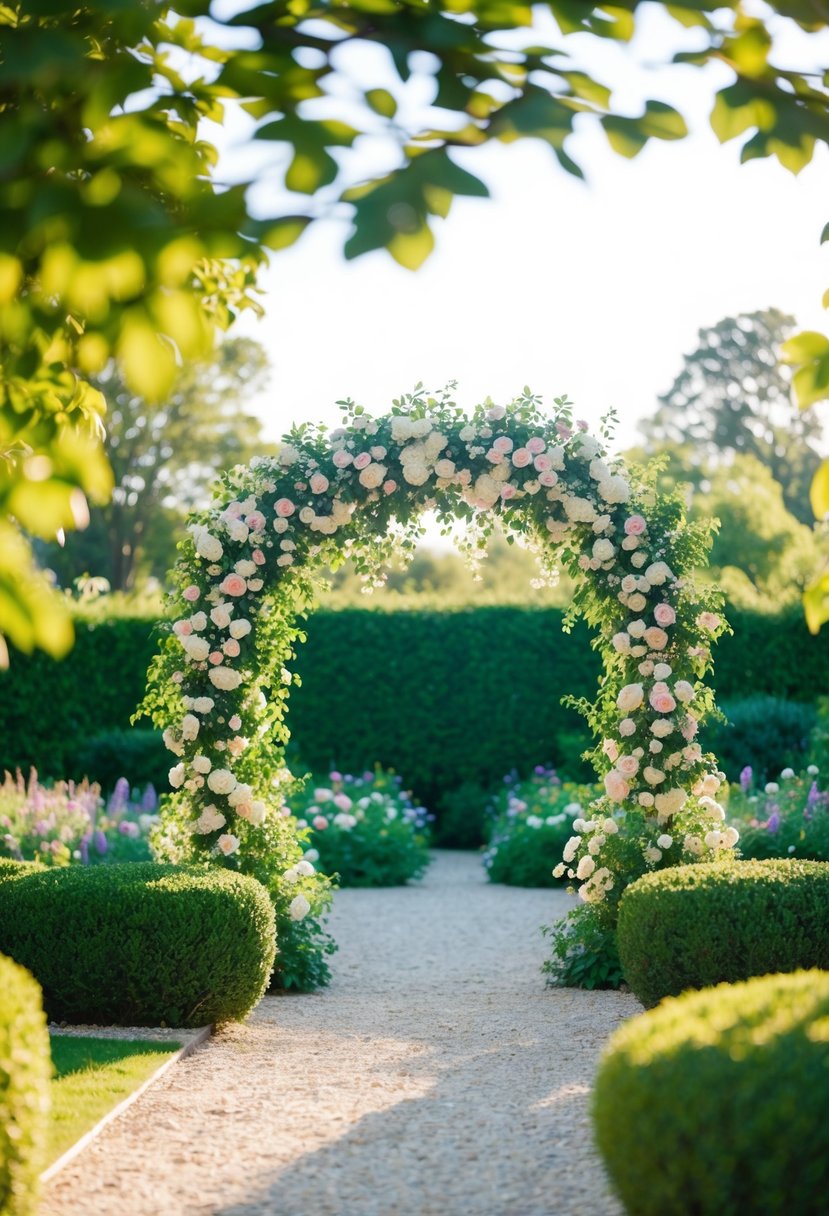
column 594, row 290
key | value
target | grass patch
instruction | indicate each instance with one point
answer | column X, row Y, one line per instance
column 91, row 1076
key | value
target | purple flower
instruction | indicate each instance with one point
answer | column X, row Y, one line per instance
column 812, row 799
column 335, row 776
column 99, row 841
column 120, row 796
column 149, row 803
column 746, row 778
column 773, row 824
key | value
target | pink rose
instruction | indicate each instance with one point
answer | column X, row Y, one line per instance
column 507, row 490
column 183, row 628
column 656, row 638
column 616, row 786
column 191, row 593
column 627, row 727
column 708, row 620
column 502, row 444
column 543, row 464
column 635, row 525
column 258, row 556
column 689, row 728
column 342, row 459
column 535, row 445
column 215, row 657
column 389, row 486
column 494, row 456
column 319, row 822
column 548, row 478
column 628, row 766
column 233, row 584
column 235, row 722
column 319, row 483
column 362, row 461
column 662, row 702
column 255, row 521
column 231, row 648
column 284, row 507
column 610, row 749
column 664, row 614
column 521, row 457
column 564, row 431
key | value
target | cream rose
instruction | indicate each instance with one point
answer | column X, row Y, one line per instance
column 225, row 678
column 630, row 697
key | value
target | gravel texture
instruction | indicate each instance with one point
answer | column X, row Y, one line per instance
column 435, row 1077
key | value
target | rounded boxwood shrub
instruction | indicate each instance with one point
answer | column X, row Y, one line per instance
column 141, row 944
column 717, row 1102
column 25, row 1074
column 698, row 925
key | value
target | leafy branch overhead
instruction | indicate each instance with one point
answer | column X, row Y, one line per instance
column 120, row 242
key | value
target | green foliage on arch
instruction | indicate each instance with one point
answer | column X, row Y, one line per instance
column 219, row 685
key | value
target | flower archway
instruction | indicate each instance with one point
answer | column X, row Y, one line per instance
column 218, row 687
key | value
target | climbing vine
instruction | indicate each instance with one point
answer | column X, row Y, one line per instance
column 219, row 684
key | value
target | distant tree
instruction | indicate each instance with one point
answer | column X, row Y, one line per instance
column 733, row 397
column 164, row 459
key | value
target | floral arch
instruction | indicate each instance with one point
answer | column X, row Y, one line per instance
column 218, row 686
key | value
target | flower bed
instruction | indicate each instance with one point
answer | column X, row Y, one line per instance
column 533, row 820
column 788, row 817
column 366, row 829
column 71, row 822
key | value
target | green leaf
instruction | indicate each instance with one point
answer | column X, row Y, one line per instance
column 824, row 236
column 819, row 491
column 816, row 603
column 382, row 102
column 285, row 231
column 309, row 170
column 808, row 345
column 411, row 249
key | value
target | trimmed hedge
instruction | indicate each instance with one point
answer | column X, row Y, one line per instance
column 9, row 868
column 25, row 1076
column 445, row 697
column 717, row 1103
column 699, row 925
column 141, row 944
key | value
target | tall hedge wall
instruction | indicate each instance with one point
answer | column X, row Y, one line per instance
column 445, row 697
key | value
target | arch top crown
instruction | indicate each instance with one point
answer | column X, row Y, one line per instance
column 361, row 486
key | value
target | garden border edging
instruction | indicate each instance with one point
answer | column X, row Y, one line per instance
column 197, row 1038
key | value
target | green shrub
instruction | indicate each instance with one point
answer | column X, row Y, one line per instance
column 25, row 1072
column 763, row 733
column 533, row 821
column 365, row 830
column 584, row 952
column 138, row 754
column 462, row 823
column 788, row 817
column 141, row 944
column 698, row 925
column 717, row 1103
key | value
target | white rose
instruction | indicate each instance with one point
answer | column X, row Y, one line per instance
column 299, row 907
column 239, row 794
column 176, row 776
column 228, row 844
column 221, row 781
column 586, row 867
column 614, row 489
column 653, row 776
column 603, row 550
column 445, row 468
column 630, row 697
column 304, row 868
column 210, row 820
column 199, row 621
column 684, row 691
column 237, row 530
column 258, row 812
column 571, row 848
column 580, row 510
column 196, row 648
column 665, row 841
column 372, row 476
column 245, row 567
column 239, row 629
column 207, row 545
column 202, row 764
column 662, row 727
column 588, row 447
column 598, row 470
column 172, row 742
column 203, row 705
column 225, row 678
column 421, row 427
column 401, row 428
column 189, row 727
column 415, row 474
column 467, row 433
column 658, row 573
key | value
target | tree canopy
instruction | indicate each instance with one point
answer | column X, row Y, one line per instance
column 119, row 240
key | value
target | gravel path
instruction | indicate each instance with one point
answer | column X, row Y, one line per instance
column 435, row 1077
